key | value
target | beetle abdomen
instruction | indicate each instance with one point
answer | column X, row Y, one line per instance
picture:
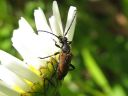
column 63, row 66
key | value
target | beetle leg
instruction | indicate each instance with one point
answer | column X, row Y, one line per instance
column 71, row 67
column 47, row 86
column 56, row 53
column 49, row 55
column 45, row 57
column 49, row 81
column 56, row 44
column 44, row 87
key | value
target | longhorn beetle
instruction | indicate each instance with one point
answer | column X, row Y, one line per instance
column 65, row 56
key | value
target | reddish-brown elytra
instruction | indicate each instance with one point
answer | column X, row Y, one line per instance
column 64, row 65
column 65, row 56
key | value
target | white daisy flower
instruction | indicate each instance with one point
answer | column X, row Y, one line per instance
column 30, row 76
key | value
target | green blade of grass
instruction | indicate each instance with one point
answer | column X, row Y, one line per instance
column 96, row 72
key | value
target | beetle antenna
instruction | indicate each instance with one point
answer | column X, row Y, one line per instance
column 71, row 23
column 48, row 32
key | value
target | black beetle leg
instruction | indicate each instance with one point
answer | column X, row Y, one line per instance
column 49, row 55
column 71, row 67
column 56, row 44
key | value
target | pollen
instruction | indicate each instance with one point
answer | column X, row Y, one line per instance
column 28, row 82
column 33, row 69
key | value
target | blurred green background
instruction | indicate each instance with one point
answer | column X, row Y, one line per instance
column 100, row 44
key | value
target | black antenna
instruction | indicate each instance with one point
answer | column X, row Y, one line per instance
column 48, row 32
column 71, row 23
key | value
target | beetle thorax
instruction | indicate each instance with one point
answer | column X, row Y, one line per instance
column 65, row 46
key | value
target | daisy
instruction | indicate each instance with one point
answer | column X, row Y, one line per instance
column 34, row 76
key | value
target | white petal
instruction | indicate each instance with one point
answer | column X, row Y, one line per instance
column 24, row 38
column 6, row 91
column 71, row 23
column 56, row 13
column 54, row 27
column 3, row 94
column 18, row 67
column 40, row 20
column 11, row 79
column 27, row 45
column 24, row 26
column 47, row 43
column 46, row 38
column 30, row 45
column 55, row 30
column 35, row 62
column 26, row 41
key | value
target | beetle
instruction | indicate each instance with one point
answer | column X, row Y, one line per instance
column 65, row 56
